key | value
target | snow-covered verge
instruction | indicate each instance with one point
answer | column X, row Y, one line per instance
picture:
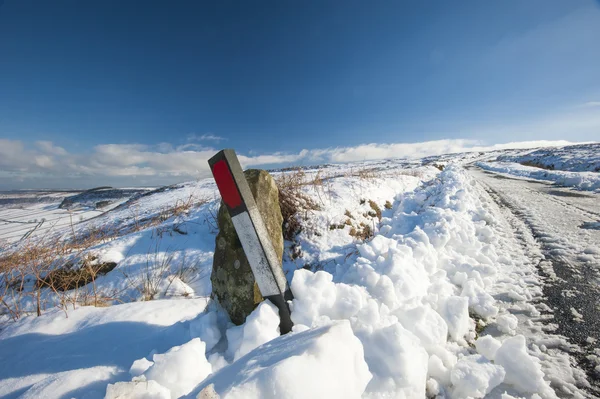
column 417, row 305
column 589, row 181
column 574, row 158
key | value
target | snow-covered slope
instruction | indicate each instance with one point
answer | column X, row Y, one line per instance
column 408, row 283
column 589, row 181
column 575, row 158
column 576, row 166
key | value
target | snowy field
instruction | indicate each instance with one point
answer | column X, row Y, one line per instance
column 589, row 181
column 44, row 213
column 409, row 282
column 575, row 158
column 572, row 166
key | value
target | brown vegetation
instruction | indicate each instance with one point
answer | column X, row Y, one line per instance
column 67, row 267
column 293, row 201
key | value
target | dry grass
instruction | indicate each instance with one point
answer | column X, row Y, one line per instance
column 61, row 268
column 72, row 276
column 363, row 232
column 293, row 201
column 368, row 173
column 414, row 172
column 66, row 267
column 160, row 271
column 376, row 211
column 364, row 173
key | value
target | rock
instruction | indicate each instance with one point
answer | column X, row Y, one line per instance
column 232, row 279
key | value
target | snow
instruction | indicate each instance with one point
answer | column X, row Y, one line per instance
column 442, row 299
column 522, row 371
column 507, row 323
column 54, row 355
column 577, row 158
column 137, row 390
column 181, row 368
column 205, row 328
column 589, row 181
column 414, row 284
column 261, row 326
column 139, row 367
column 488, row 346
column 578, row 317
column 323, row 362
column 474, row 376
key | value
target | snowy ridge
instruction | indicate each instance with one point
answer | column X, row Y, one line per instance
column 589, row 181
column 575, row 158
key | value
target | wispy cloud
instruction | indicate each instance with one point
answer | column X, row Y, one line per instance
column 205, row 137
column 590, row 104
column 42, row 164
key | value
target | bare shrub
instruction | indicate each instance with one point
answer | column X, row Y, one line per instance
column 11, row 291
column 31, row 260
column 211, row 218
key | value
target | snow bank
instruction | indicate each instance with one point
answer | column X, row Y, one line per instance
column 325, row 362
column 409, row 293
column 589, row 181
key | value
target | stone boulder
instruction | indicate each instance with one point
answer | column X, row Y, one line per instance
column 232, row 279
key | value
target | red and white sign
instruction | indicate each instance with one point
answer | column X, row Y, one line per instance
column 252, row 233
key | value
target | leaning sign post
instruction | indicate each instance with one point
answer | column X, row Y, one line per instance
column 252, row 233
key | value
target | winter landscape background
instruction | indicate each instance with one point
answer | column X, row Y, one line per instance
column 444, row 276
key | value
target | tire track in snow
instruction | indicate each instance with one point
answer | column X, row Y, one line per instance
column 571, row 286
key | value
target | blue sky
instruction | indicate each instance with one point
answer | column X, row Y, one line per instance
column 122, row 92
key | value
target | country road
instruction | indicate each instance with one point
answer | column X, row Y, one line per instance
column 565, row 225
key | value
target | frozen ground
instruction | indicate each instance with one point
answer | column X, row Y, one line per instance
column 409, row 282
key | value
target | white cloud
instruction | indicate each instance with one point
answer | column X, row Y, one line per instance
column 205, row 137
column 49, row 148
column 590, row 104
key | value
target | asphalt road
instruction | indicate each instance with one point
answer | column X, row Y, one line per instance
column 566, row 225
